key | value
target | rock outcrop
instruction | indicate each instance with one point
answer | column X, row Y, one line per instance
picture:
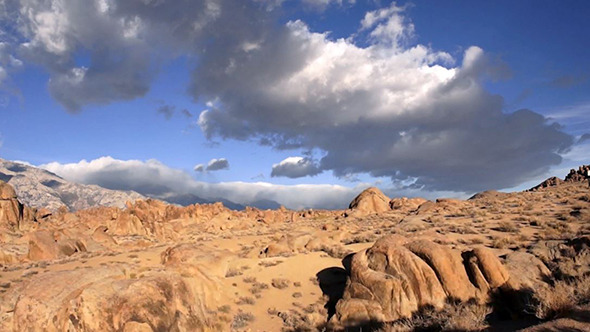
column 13, row 214
column 579, row 175
column 179, row 298
column 582, row 174
column 370, row 201
column 406, row 204
column 48, row 245
column 394, row 279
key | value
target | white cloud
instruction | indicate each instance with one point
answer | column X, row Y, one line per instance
column 390, row 108
column 156, row 179
column 217, row 164
column 199, row 168
column 295, row 167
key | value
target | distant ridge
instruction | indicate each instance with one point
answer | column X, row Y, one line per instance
column 582, row 174
column 39, row 188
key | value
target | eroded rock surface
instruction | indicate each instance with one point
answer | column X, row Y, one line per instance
column 395, row 278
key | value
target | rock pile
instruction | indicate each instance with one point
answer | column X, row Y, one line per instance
column 579, row 175
column 395, row 278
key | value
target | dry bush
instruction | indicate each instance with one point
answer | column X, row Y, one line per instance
column 257, row 287
column 562, row 298
column 554, row 302
column 232, row 272
column 296, row 321
column 560, row 226
column 434, row 219
column 507, row 226
column 476, row 240
column 502, row 242
column 270, row 263
column 461, row 229
column 280, row 283
column 453, row 317
column 224, row 308
column 245, row 300
column 249, row 280
column 242, row 319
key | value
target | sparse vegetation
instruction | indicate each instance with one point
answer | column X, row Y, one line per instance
column 246, row 300
column 241, row 320
column 507, row 226
column 233, row 272
column 280, row 283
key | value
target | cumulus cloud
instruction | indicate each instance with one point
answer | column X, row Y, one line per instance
column 121, row 42
column 153, row 178
column 374, row 102
column 212, row 166
column 295, row 167
column 388, row 109
column 217, row 164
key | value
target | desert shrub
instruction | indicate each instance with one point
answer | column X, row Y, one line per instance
column 477, row 240
column 257, row 287
column 280, row 283
column 561, row 298
column 232, row 272
column 242, row 319
column 270, row 263
column 502, row 242
column 554, row 302
column 453, row 317
column 461, row 229
column 507, row 226
column 224, row 308
column 249, row 280
column 245, row 300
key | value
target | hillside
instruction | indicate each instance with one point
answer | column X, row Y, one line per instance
column 39, row 188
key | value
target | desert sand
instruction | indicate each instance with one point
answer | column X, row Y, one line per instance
column 497, row 261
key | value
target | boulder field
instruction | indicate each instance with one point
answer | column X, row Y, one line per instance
column 497, row 261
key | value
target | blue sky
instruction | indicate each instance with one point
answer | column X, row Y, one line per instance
column 439, row 80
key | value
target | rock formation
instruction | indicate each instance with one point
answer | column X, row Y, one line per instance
column 395, row 278
column 370, row 201
column 13, row 214
column 581, row 174
column 406, row 204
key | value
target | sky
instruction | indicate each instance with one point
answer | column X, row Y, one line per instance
column 304, row 102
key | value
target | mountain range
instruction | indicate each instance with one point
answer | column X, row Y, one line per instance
column 40, row 188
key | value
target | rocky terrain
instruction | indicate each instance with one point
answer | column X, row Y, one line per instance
column 39, row 188
column 497, row 262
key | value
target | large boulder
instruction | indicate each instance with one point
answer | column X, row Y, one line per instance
column 13, row 214
column 48, row 245
column 406, row 204
column 370, row 201
column 395, row 278
column 103, row 299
